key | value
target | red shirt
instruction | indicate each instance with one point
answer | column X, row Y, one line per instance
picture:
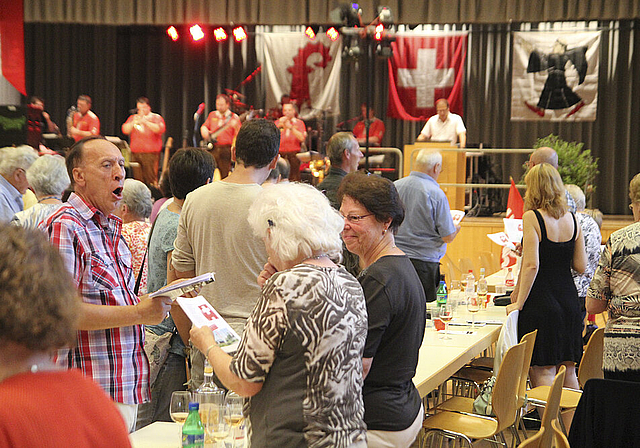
column 87, row 122
column 144, row 139
column 376, row 129
column 215, row 120
column 97, row 256
column 58, row 408
column 288, row 140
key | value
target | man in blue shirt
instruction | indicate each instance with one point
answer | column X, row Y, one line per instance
column 14, row 163
column 427, row 226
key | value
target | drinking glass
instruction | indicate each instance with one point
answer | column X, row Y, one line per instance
column 473, row 306
column 235, row 404
column 209, row 402
column 217, row 421
column 446, row 314
column 455, row 291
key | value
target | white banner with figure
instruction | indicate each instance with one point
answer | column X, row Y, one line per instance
column 555, row 76
column 306, row 70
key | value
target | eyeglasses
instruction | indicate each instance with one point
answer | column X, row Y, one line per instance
column 354, row 219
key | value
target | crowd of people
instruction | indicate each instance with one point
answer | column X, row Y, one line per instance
column 324, row 284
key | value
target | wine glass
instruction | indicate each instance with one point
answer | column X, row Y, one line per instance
column 217, row 421
column 473, row 306
column 235, row 404
column 179, row 407
column 455, row 290
column 446, row 314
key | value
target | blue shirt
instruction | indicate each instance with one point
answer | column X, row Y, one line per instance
column 427, row 217
column 10, row 200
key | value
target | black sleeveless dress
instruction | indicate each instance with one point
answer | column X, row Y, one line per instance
column 552, row 306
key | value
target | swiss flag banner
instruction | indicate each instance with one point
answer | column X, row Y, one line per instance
column 424, row 68
column 515, row 204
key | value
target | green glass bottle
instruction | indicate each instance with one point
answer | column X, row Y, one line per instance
column 192, row 430
column 441, row 292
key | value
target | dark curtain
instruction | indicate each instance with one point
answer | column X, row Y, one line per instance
column 116, row 64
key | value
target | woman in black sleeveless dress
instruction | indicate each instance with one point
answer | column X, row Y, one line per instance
column 546, row 295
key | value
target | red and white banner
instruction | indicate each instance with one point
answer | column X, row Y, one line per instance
column 424, row 68
column 515, row 204
column 307, row 70
column 12, row 43
column 555, row 76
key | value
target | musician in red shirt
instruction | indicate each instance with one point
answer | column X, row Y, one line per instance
column 146, row 129
column 293, row 132
column 220, row 129
column 85, row 122
column 376, row 128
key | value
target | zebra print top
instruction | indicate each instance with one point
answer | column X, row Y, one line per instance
column 304, row 341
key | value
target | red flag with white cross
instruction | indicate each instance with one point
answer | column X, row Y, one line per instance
column 423, row 69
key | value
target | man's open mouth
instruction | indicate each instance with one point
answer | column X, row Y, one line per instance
column 117, row 191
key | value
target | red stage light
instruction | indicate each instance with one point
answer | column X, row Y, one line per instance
column 310, row 33
column 220, row 34
column 196, row 32
column 173, row 33
column 379, row 30
column 333, row 34
column 239, row 34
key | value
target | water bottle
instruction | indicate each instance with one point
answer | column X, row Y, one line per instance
column 441, row 292
column 470, row 287
column 509, row 281
column 192, row 430
column 482, row 289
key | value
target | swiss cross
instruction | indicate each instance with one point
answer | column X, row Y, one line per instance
column 426, row 78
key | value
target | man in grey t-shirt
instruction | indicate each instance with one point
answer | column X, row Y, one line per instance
column 214, row 234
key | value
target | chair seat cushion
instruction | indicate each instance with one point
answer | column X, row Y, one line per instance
column 568, row 400
column 471, row 426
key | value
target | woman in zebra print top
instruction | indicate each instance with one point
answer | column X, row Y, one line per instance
column 300, row 359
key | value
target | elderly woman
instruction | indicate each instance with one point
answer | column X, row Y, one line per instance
column 135, row 207
column 616, row 287
column 592, row 241
column 546, row 295
column 396, row 303
column 48, row 178
column 39, row 308
column 300, row 359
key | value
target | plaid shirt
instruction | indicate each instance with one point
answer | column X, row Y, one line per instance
column 100, row 262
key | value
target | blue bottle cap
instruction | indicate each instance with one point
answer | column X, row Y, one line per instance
column 194, row 406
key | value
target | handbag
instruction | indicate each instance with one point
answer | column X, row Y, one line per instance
column 156, row 346
column 482, row 404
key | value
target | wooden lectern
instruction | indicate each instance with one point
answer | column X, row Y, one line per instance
column 454, row 167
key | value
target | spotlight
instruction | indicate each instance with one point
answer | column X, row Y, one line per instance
column 310, row 33
column 239, row 34
column 220, row 34
column 385, row 15
column 173, row 33
column 333, row 34
column 196, row 32
column 378, row 33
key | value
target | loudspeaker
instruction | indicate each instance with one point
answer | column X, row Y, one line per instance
column 13, row 125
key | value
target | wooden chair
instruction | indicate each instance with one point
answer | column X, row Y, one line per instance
column 462, row 404
column 465, row 427
column 465, row 264
column 558, row 436
column 544, row 438
column 591, row 364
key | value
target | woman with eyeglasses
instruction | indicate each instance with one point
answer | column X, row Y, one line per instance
column 396, row 303
column 616, row 287
column 300, row 359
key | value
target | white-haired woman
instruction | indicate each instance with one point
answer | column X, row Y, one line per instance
column 48, row 179
column 135, row 207
column 300, row 359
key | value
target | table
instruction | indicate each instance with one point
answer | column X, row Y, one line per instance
column 438, row 359
column 157, row 435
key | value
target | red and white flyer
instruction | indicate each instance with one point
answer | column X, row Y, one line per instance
column 203, row 314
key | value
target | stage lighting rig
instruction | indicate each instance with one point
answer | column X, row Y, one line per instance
column 333, row 34
column 239, row 34
column 220, row 34
column 310, row 32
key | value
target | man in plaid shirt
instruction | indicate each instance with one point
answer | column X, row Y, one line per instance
column 111, row 333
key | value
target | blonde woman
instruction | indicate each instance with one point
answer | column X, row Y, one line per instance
column 546, row 294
